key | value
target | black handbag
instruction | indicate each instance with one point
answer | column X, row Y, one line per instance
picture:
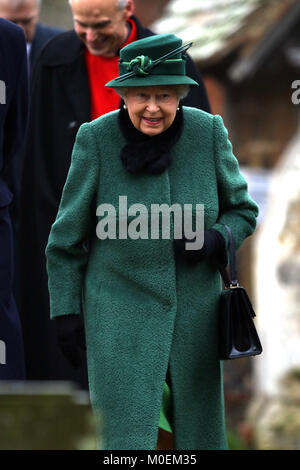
column 237, row 333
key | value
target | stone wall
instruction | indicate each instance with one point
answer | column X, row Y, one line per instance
column 47, row 416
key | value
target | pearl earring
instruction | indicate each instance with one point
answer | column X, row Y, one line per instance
column 178, row 108
column 124, row 106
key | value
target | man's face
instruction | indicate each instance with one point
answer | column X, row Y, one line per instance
column 26, row 15
column 101, row 25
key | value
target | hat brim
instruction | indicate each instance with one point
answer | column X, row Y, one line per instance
column 152, row 80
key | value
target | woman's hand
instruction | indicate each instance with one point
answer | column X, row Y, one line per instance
column 71, row 337
column 213, row 249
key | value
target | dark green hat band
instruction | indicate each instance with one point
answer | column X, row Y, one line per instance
column 143, row 65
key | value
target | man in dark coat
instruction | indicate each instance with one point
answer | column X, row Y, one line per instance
column 68, row 90
column 25, row 13
column 13, row 120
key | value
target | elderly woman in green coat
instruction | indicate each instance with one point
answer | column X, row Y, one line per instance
column 149, row 296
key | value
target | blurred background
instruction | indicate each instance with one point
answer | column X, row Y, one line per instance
column 249, row 56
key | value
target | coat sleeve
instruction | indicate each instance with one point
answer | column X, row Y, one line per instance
column 66, row 250
column 236, row 208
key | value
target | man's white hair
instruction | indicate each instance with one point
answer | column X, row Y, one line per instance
column 121, row 3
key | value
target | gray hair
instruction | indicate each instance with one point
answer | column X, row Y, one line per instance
column 120, row 3
column 181, row 90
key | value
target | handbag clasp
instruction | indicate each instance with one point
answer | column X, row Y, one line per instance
column 234, row 285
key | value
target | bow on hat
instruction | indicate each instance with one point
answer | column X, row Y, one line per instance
column 142, row 65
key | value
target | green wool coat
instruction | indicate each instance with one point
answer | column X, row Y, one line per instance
column 144, row 309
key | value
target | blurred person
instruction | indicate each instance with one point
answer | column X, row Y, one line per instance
column 150, row 303
column 13, row 119
column 25, row 13
column 68, row 89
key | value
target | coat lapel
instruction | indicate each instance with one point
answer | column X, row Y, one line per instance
column 35, row 47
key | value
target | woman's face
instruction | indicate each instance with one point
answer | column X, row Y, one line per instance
column 152, row 109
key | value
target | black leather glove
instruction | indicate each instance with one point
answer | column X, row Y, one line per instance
column 213, row 249
column 71, row 337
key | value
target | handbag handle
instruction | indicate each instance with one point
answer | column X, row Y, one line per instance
column 232, row 280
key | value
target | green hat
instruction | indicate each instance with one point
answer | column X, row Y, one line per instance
column 155, row 60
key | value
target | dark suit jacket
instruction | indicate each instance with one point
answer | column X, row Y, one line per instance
column 60, row 103
column 13, row 119
column 13, row 113
column 42, row 35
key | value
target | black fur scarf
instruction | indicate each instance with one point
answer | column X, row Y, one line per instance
column 143, row 153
